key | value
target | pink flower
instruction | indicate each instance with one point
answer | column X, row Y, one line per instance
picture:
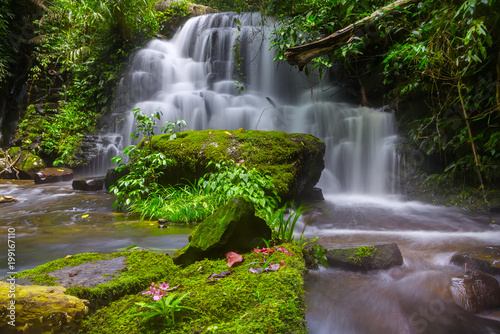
column 164, row 286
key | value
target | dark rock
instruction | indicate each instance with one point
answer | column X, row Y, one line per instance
column 113, row 175
column 366, row 257
column 484, row 258
column 234, row 227
column 476, row 291
column 89, row 183
column 50, row 175
column 316, row 194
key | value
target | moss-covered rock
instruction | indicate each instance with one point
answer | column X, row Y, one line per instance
column 20, row 164
column 366, row 257
column 39, row 309
column 91, row 276
column 234, row 227
column 241, row 302
column 294, row 160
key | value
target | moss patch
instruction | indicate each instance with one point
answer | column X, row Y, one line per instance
column 239, row 303
column 285, row 156
column 142, row 267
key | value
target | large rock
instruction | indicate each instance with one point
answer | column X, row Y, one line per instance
column 234, row 227
column 294, row 160
column 88, row 183
column 484, row 258
column 50, row 175
column 476, row 291
column 19, row 164
column 39, row 309
column 366, row 257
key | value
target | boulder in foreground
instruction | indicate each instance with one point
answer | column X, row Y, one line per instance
column 234, row 227
column 53, row 174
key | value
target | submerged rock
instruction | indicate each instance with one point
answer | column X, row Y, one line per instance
column 476, row 291
column 39, row 309
column 234, row 227
column 8, row 199
column 89, row 183
column 50, row 175
column 19, row 164
column 367, row 257
column 484, row 258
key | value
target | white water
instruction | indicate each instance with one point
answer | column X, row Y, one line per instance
column 193, row 77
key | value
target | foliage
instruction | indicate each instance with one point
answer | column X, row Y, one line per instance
column 144, row 167
column 446, row 52
column 83, row 46
column 286, row 225
column 165, row 306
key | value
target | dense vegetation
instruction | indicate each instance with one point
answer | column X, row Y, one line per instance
column 444, row 54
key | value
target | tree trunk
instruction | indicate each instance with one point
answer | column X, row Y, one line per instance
column 301, row 55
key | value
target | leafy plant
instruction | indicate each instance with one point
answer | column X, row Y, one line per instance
column 165, row 306
column 144, row 167
column 285, row 223
column 362, row 253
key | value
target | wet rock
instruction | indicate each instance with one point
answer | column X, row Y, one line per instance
column 50, row 175
column 476, row 291
column 19, row 164
column 484, row 258
column 366, row 257
column 89, row 183
column 234, row 227
column 8, row 199
column 39, row 309
column 113, row 175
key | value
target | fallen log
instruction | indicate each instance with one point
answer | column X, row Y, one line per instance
column 302, row 54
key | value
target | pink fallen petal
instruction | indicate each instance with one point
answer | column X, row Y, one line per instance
column 255, row 270
column 283, row 250
column 233, row 258
column 273, row 267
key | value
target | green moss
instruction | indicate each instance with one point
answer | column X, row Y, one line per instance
column 362, row 253
column 276, row 152
column 239, row 303
column 142, row 267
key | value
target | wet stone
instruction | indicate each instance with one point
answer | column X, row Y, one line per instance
column 476, row 291
column 89, row 183
column 50, row 175
column 484, row 258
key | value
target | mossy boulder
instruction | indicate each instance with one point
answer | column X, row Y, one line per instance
column 234, row 227
column 366, row 257
column 240, row 302
column 88, row 183
column 101, row 278
column 25, row 164
column 39, row 309
column 294, row 160
column 484, row 258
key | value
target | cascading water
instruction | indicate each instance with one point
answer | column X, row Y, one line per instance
column 193, row 77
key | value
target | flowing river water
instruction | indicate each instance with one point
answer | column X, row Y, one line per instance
column 192, row 77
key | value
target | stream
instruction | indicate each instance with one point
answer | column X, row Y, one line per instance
column 53, row 220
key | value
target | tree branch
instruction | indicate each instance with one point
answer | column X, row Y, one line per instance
column 301, row 55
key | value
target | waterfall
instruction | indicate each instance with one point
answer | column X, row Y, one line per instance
column 193, row 76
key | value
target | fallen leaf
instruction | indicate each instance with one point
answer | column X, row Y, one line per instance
column 85, row 216
column 283, row 250
column 255, row 270
column 233, row 258
column 215, row 277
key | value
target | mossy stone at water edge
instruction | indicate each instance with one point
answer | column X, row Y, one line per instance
column 101, row 278
column 365, row 257
column 294, row 160
column 39, row 309
column 234, row 227
column 238, row 303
